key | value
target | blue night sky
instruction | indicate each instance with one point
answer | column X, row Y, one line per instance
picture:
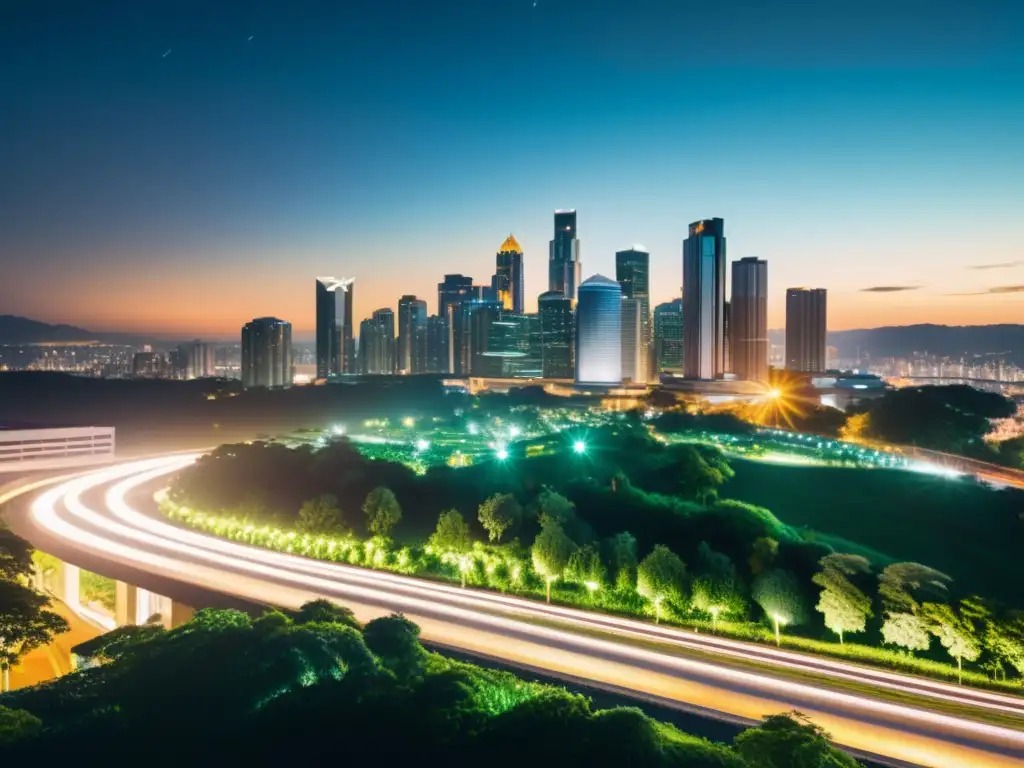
column 854, row 145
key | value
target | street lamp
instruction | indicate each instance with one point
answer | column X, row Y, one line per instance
column 502, row 454
column 579, row 447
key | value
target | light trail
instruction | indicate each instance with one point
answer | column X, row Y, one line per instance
column 501, row 626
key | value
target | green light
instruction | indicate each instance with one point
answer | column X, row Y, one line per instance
column 502, row 454
column 422, row 445
column 579, row 446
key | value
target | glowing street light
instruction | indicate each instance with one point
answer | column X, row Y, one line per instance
column 472, row 428
column 422, row 445
column 513, row 431
column 579, row 447
column 502, row 454
column 409, row 422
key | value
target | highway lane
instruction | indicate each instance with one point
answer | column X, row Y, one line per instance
column 106, row 524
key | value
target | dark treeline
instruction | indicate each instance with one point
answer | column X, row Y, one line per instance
column 226, row 689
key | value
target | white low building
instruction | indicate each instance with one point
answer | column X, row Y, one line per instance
column 29, row 450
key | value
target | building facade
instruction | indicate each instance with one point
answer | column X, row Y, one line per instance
column 599, row 332
column 201, row 360
column 508, row 286
column 634, row 361
column 451, row 292
column 335, row 343
column 412, row 335
column 564, row 260
column 704, row 300
column 267, row 353
column 633, row 271
column 437, row 337
column 748, row 319
column 557, row 336
column 668, row 337
column 806, row 329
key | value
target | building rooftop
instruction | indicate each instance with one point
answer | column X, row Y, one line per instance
column 510, row 246
column 598, row 280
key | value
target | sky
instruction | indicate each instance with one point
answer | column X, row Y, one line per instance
column 182, row 167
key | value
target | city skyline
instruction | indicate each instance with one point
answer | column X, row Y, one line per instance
column 184, row 194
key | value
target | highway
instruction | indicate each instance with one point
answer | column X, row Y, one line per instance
column 101, row 516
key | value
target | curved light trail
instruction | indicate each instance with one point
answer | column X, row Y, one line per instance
column 560, row 641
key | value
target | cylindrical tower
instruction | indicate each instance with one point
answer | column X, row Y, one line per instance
column 599, row 332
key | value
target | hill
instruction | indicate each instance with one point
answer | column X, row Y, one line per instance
column 22, row 330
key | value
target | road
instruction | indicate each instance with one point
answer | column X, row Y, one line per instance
column 100, row 517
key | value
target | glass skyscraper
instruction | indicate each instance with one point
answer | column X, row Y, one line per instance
column 451, row 292
column 668, row 336
column 633, row 271
column 748, row 319
column 806, row 329
column 557, row 339
column 412, row 335
column 508, row 284
column 599, row 332
column 377, row 343
column 704, row 300
column 335, row 345
column 564, row 262
column 267, row 353
column 437, row 335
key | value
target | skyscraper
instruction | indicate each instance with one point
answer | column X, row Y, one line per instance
column 704, row 300
column 633, row 270
column 556, row 335
column 806, row 329
column 412, row 335
column 508, row 284
column 437, row 334
column 451, row 292
column 564, row 262
column 513, row 347
column 267, row 353
column 478, row 321
column 668, row 336
column 335, row 345
column 599, row 332
column 377, row 343
column 634, row 362
column 748, row 321
column 200, row 363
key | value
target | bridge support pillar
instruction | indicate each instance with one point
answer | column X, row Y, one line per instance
column 180, row 613
column 126, row 601
column 66, row 585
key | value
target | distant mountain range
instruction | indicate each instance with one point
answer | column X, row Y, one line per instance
column 955, row 341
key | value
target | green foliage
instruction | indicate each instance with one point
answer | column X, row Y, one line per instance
column 954, row 630
column 661, row 577
column 382, row 511
column 906, row 630
column 17, row 725
column 395, row 640
column 716, row 591
column 555, row 507
column 498, row 514
column 117, row 642
column 452, row 540
column 325, row 612
column 321, row 516
column 622, row 556
column 763, row 554
column 902, row 585
column 700, row 472
column 779, row 595
column 585, row 567
column 551, row 552
column 845, row 607
column 25, row 622
column 1004, row 639
column 790, row 741
column 99, row 589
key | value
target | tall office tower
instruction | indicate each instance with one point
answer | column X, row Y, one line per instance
column 385, row 320
column 267, row 353
column 368, row 347
column 201, row 363
column 668, row 336
column 806, row 328
column 437, row 333
column 633, row 271
column 508, row 283
column 451, row 292
column 478, row 320
column 748, row 319
column 557, row 339
column 564, row 261
column 335, row 345
column 377, row 343
column 634, row 362
column 412, row 335
column 704, row 300
column 599, row 332
column 726, row 337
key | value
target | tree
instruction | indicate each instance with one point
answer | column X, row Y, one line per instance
column 1004, row 639
column 716, row 589
column 622, row 555
column 17, row 724
column 452, row 538
column 585, row 567
column 955, row 632
column 552, row 505
column 325, row 612
column 845, row 607
column 906, row 630
column 551, row 552
column 320, row 515
column 700, row 471
column 25, row 622
column 763, row 554
column 382, row 511
column 901, row 585
column 790, row 741
column 498, row 514
column 856, row 428
column 395, row 640
column 661, row 576
column 779, row 595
